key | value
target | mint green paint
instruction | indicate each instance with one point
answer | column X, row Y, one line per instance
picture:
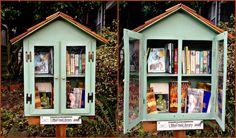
column 59, row 34
column 129, row 35
column 179, row 26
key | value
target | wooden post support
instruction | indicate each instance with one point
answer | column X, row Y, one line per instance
column 61, row 130
column 152, row 127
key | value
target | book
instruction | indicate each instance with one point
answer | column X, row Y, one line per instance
column 78, row 97
column 195, row 100
column 207, row 96
column 167, row 60
column 187, row 60
column 208, row 62
column 197, row 62
column 193, row 61
column 183, row 62
column 41, row 62
column 83, row 62
column 170, row 47
column 67, row 63
column 151, row 102
column 45, row 93
column 173, row 96
column 201, row 62
column 176, row 61
column 156, row 60
column 72, row 64
column 161, row 91
column 205, row 65
column 76, row 64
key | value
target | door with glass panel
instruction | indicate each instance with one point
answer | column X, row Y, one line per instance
column 43, row 77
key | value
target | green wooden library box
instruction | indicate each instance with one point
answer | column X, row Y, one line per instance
column 59, row 67
column 176, row 54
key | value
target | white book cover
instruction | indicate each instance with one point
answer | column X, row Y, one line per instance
column 197, row 62
column 156, row 60
column 72, row 65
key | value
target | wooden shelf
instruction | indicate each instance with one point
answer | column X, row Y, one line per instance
column 44, row 75
column 73, row 76
column 161, row 75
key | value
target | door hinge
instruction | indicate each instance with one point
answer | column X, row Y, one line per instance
column 91, row 56
column 90, row 97
column 29, row 98
column 28, row 56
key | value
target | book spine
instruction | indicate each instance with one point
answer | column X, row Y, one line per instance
column 167, row 60
column 72, row 60
column 83, row 98
column 209, row 61
column 67, row 63
column 201, row 62
column 80, row 63
column 205, row 62
column 176, row 62
column 197, row 62
column 76, row 64
column 193, row 62
column 183, row 62
column 187, row 60
column 83, row 63
column 172, row 58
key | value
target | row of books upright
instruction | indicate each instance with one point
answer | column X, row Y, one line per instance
column 163, row 97
column 75, row 63
column 163, row 59
column 196, row 62
column 166, row 60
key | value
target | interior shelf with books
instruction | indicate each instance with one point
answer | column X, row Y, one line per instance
column 182, row 70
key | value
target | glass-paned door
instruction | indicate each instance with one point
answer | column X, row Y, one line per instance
column 221, row 70
column 43, row 76
column 75, row 79
column 132, row 83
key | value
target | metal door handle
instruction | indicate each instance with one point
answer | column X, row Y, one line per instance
column 63, row 78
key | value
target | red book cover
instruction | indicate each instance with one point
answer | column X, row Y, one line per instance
column 176, row 62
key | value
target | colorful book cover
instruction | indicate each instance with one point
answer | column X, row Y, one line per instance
column 45, row 93
column 193, row 61
column 209, row 62
column 206, row 100
column 151, row 102
column 83, row 63
column 161, row 91
column 174, row 96
column 195, row 100
column 78, row 97
column 176, row 61
column 41, row 62
column 197, row 62
column 201, row 62
column 156, row 60
column 205, row 69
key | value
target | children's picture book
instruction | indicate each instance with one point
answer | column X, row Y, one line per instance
column 45, row 94
column 151, row 102
column 156, row 60
column 161, row 91
column 174, row 96
column 195, row 100
column 41, row 62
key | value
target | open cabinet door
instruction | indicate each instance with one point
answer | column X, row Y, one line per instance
column 133, row 110
column 221, row 71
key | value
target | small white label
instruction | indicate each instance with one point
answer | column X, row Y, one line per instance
column 60, row 120
column 179, row 125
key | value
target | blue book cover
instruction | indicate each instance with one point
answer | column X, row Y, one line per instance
column 206, row 99
column 83, row 99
